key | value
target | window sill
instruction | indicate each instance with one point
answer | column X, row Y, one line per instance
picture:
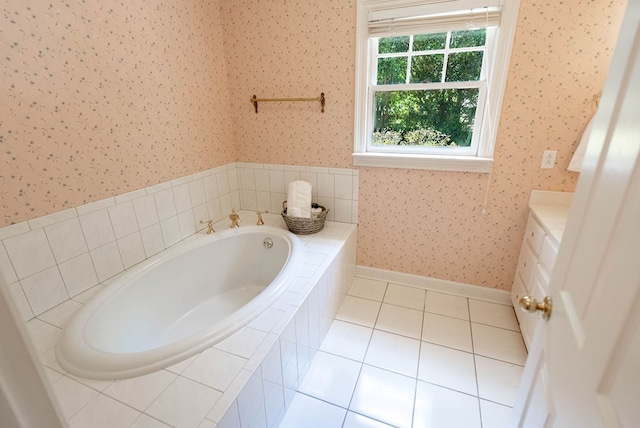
column 427, row 162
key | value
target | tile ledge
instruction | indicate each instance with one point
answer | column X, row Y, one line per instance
column 434, row 284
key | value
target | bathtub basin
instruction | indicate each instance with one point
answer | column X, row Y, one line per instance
column 179, row 302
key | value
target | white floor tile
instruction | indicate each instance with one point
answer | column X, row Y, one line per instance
column 497, row 381
column 139, row 392
column 494, row 415
column 400, row 320
column 104, row 412
column 447, row 331
column 393, row 352
column 331, row 378
column 355, row 420
column 309, row 412
column 493, row 314
column 442, row 407
column 347, row 340
column 401, row 295
column 446, row 304
column 498, row 343
column 367, row 288
column 359, row 311
column 448, row 367
column 384, row 396
column 184, row 403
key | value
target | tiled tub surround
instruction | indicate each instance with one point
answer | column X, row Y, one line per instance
column 246, row 380
column 48, row 260
column 263, row 187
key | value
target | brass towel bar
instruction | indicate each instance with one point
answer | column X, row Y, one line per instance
column 256, row 100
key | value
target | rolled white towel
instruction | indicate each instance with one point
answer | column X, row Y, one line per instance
column 299, row 199
column 578, row 156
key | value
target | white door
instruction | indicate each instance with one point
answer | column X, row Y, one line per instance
column 584, row 365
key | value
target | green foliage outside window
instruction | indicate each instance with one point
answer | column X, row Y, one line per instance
column 435, row 117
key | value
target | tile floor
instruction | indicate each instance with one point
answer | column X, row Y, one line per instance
column 405, row 357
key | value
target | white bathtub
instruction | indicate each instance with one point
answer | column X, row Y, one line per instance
column 179, row 303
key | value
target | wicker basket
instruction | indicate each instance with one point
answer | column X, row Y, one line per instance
column 304, row 226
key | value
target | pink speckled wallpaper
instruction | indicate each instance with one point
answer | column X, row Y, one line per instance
column 422, row 222
column 102, row 98
column 286, row 48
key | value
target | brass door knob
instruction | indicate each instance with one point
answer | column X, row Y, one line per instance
column 531, row 305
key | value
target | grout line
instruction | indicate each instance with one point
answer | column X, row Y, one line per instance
column 415, row 378
column 475, row 366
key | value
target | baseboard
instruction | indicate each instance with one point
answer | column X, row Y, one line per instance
column 433, row 284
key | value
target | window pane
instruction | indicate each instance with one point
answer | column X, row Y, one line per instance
column 426, row 68
column 465, row 39
column 428, row 42
column 425, row 118
column 392, row 70
column 393, row 44
column 464, row 66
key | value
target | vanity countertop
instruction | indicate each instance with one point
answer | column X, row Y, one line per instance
column 551, row 210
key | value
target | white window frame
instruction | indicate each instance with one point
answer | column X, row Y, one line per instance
column 480, row 158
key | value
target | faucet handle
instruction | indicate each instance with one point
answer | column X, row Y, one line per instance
column 209, row 223
column 235, row 219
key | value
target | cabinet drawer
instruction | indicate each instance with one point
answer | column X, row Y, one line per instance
column 534, row 235
column 539, row 283
column 526, row 264
column 548, row 254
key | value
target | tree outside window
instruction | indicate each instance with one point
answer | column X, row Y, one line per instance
column 426, row 89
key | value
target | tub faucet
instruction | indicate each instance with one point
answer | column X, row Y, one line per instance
column 235, row 219
column 210, row 229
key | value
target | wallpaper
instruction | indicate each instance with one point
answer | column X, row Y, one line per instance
column 291, row 49
column 102, row 98
column 427, row 223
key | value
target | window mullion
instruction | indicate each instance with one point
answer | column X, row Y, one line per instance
column 446, row 57
column 428, row 86
column 409, row 59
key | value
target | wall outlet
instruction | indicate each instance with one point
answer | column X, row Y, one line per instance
column 548, row 159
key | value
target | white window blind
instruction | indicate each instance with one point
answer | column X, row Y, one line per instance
column 469, row 19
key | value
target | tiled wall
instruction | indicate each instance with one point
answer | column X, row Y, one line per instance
column 50, row 259
column 263, row 187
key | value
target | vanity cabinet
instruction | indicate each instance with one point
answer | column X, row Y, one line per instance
column 547, row 218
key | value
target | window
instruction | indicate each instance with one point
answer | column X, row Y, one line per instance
column 429, row 82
